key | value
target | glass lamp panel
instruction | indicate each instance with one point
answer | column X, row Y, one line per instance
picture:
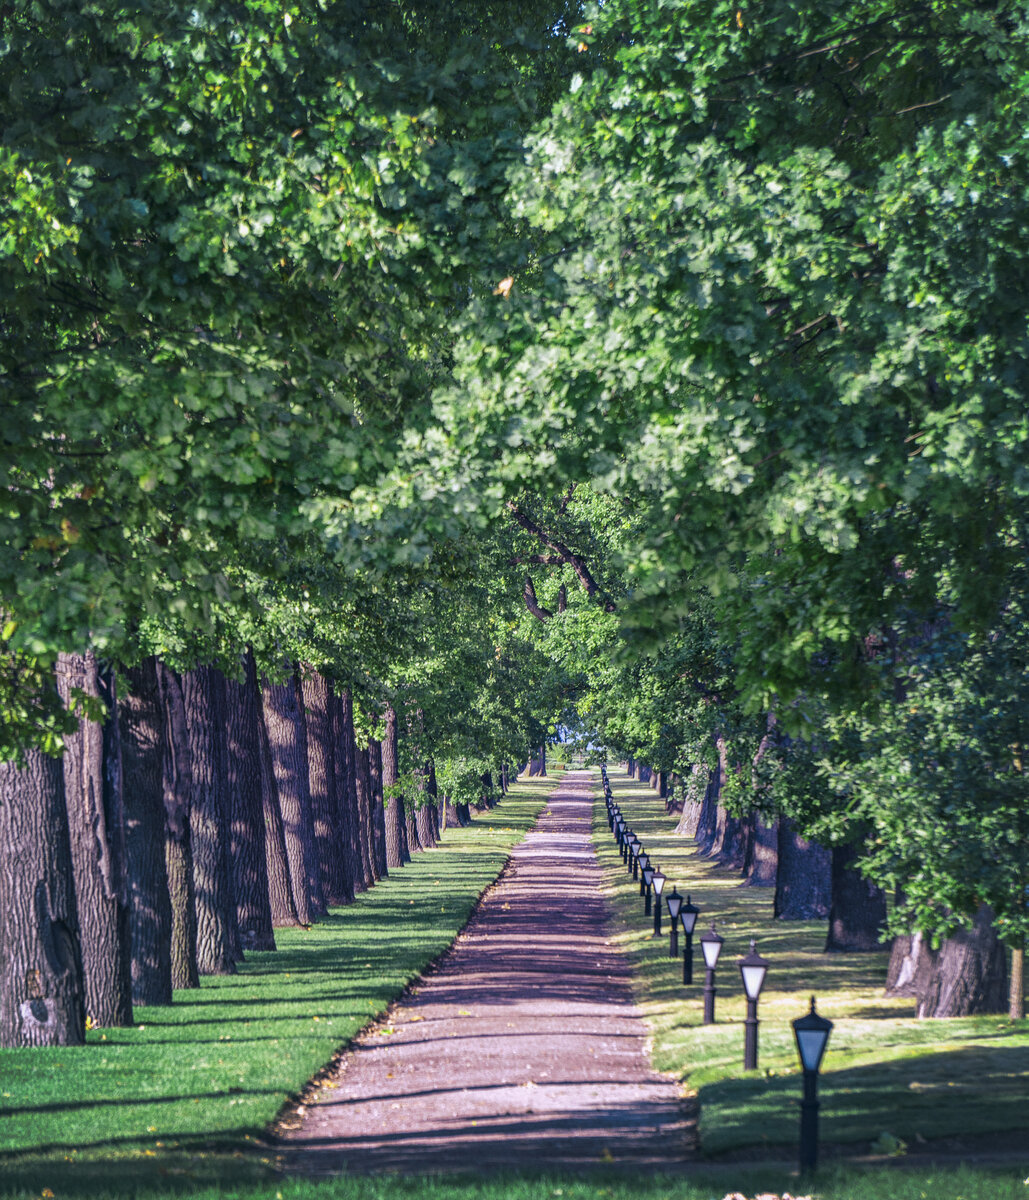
column 689, row 920
column 811, row 1044
column 711, row 949
column 674, row 904
column 659, row 882
column 753, row 980
column 648, row 876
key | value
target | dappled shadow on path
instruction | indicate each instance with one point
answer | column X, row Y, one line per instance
column 523, row 1049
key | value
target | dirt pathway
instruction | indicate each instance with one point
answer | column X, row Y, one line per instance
column 522, row 1050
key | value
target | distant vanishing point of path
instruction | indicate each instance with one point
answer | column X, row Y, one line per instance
column 524, row 1050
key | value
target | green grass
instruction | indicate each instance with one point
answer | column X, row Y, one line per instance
column 884, row 1071
column 176, row 1107
column 192, row 1086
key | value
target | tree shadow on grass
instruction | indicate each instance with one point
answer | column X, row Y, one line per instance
column 918, row 1096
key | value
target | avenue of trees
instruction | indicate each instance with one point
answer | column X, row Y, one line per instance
column 382, row 383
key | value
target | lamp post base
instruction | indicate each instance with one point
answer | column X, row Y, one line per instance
column 673, row 943
column 657, row 917
column 687, row 960
column 709, row 998
column 646, row 904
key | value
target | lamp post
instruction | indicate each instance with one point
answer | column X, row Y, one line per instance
column 648, row 879
column 644, row 861
column 626, row 838
column 711, row 946
column 674, row 902
column 658, row 886
column 812, row 1034
column 753, row 968
column 688, row 913
column 635, row 846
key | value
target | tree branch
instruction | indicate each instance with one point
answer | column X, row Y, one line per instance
column 532, row 604
column 575, row 561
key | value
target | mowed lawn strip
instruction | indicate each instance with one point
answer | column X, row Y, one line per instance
column 214, row 1068
column 884, row 1072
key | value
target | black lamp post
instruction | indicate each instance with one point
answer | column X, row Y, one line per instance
column 658, row 886
column 711, row 946
column 626, row 838
column 644, row 861
column 753, row 968
column 674, row 902
column 635, row 846
column 648, row 879
column 688, row 913
column 812, row 1034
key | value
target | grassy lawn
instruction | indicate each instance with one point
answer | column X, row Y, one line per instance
column 884, row 1072
column 176, row 1107
column 185, row 1093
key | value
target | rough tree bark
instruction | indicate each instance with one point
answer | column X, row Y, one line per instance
column 96, row 824
column 276, row 858
column 41, row 984
column 346, row 789
column 857, row 912
column 319, row 903
column 177, row 788
column 803, row 881
column 364, row 816
column 321, row 757
column 967, row 976
column 423, row 819
column 762, row 866
column 142, row 724
column 693, row 803
column 394, row 804
column 377, row 810
column 289, row 766
column 203, row 691
column 248, row 857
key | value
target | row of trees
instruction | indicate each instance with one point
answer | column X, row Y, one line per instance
column 336, row 330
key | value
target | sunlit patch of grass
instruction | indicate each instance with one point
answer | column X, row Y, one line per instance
column 208, row 1073
column 884, row 1070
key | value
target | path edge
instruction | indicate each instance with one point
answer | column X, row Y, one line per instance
column 270, row 1140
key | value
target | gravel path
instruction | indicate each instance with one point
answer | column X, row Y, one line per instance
column 523, row 1049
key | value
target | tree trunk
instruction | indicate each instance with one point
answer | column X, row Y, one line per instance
column 141, row 719
column 644, row 774
column 709, row 829
column 276, row 857
column 692, row 803
column 319, row 905
column 96, row 824
column 203, row 692
column 423, row 818
column 905, row 964
column 394, row 804
column 966, row 977
column 177, row 788
column 434, row 804
column 1016, row 988
column 803, row 882
column 364, row 812
column 377, row 811
column 858, row 909
column 289, row 764
column 41, row 984
column 346, row 790
column 321, row 757
column 248, row 856
column 763, row 860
